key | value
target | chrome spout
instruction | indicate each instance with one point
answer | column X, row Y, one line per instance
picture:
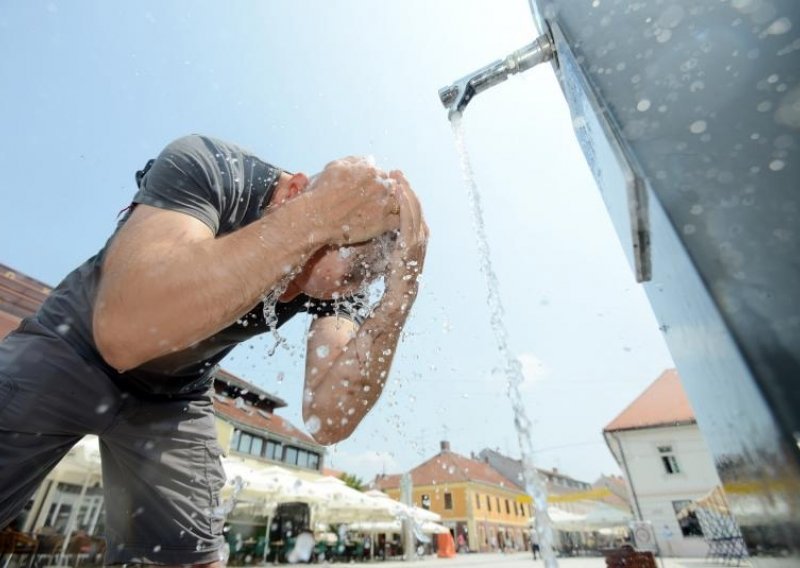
column 455, row 97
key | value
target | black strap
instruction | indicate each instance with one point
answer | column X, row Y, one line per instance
column 143, row 172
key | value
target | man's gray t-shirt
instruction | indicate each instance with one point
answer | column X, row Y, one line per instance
column 226, row 188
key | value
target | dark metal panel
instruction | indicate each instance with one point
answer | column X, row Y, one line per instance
column 704, row 98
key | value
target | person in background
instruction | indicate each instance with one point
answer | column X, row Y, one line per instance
column 216, row 247
column 534, row 543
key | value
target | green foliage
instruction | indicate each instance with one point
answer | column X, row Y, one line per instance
column 353, row 481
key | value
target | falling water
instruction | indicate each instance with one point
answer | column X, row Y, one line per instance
column 513, row 368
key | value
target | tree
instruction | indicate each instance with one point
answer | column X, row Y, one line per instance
column 353, row 481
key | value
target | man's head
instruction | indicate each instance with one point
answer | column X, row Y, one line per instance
column 334, row 271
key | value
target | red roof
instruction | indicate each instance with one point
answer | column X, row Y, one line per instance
column 448, row 467
column 20, row 296
column 247, row 415
column 663, row 403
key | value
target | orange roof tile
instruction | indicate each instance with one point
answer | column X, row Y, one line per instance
column 261, row 420
column 20, row 296
column 332, row 472
column 662, row 403
column 448, row 467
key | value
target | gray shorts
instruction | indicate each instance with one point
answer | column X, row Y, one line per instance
column 162, row 473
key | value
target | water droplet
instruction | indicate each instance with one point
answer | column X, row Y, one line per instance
column 102, row 408
column 157, row 548
column 698, row 127
column 779, row 27
column 313, row 424
column 280, row 377
column 323, row 351
column 63, row 328
column 663, row 36
column 643, row 105
column 777, row 165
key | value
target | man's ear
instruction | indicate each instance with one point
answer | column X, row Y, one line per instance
column 297, row 183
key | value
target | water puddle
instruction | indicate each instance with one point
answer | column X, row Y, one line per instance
column 512, row 367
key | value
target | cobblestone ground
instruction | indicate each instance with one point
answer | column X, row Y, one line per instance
column 523, row 560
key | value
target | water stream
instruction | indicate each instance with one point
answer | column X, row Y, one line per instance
column 512, row 367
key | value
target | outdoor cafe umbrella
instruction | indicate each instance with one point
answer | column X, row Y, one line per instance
column 343, row 504
column 269, row 485
column 563, row 520
column 604, row 516
column 80, row 466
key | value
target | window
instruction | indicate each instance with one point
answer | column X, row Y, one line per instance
column 290, row 455
column 448, row 501
column 244, row 443
column 426, row 501
column 488, row 504
column 477, row 501
column 668, row 460
column 516, row 509
column 687, row 520
column 313, row 461
column 273, row 451
column 497, row 502
column 508, row 507
column 235, row 439
column 256, row 446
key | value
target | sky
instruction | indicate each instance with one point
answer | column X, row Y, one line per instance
column 91, row 90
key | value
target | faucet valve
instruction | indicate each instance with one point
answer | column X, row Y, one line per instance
column 455, row 97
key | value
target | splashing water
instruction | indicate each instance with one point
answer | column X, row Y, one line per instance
column 222, row 510
column 270, row 302
column 512, row 367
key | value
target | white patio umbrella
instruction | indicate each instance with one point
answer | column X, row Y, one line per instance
column 605, row 516
column 563, row 520
column 428, row 527
column 343, row 504
column 267, row 486
column 81, row 466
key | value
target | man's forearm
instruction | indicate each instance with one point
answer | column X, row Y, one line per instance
column 182, row 290
column 340, row 396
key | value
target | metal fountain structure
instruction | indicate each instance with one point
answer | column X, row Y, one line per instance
column 688, row 114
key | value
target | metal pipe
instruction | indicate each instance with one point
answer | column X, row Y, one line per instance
column 455, row 97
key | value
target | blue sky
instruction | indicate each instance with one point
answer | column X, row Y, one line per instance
column 91, row 90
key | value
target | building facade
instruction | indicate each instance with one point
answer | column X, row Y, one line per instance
column 247, row 427
column 666, row 462
column 482, row 509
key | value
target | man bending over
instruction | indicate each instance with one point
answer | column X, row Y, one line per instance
column 127, row 344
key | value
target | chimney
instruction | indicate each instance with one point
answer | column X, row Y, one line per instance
column 445, row 445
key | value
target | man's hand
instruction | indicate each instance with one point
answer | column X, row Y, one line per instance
column 352, row 201
column 408, row 256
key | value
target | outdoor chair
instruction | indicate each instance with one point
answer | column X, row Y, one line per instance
column 17, row 543
column 50, row 545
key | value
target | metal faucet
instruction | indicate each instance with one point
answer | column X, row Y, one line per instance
column 455, row 97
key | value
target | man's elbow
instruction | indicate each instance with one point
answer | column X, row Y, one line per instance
column 331, row 436
column 112, row 346
column 327, row 433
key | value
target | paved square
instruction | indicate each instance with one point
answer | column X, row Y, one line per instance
column 525, row 560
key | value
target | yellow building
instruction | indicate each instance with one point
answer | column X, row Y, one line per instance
column 482, row 509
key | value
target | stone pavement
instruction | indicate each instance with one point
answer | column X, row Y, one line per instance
column 524, row 560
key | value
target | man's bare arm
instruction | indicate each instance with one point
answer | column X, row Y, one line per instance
column 168, row 283
column 347, row 365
